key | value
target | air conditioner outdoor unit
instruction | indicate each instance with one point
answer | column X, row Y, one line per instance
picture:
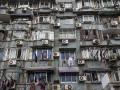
column 57, row 24
column 56, row 87
column 81, row 62
column 12, row 9
column 65, row 42
column 113, row 58
column 96, row 41
column 12, row 62
column 56, row 54
column 68, row 87
column 61, row 9
column 45, row 42
column 76, row 9
column 78, row 25
column 55, row 8
column 19, row 42
column 82, row 78
column 114, row 23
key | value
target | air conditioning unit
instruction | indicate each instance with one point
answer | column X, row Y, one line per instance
column 45, row 42
column 12, row 9
column 19, row 42
column 113, row 58
column 65, row 42
column 57, row 24
column 56, row 54
column 114, row 23
column 76, row 9
column 12, row 62
column 68, row 87
column 56, row 87
column 61, row 9
column 82, row 78
column 81, row 62
column 78, row 25
column 55, row 8
column 96, row 41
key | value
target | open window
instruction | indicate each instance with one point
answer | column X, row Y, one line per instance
column 42, row 54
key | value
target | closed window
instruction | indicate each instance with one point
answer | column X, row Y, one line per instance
column 107, row 3
column 18, row 35
column 35, row 76
column 88, row 18
column 2, row 35
column 44, row 19
column 1, row 54
column 117, row 76
column 92, row 76
column 64, row 55
column 68, row 77
column 68, row 5
column 38, row 35
column 42, row 54
column 44, row 3
column 66, row 21
column 87, row 3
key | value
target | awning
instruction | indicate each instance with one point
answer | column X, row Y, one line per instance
column 100, row 70
column 68, row 69
column 44, row 68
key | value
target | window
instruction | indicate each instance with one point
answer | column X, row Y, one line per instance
column 107, row 3
column 87, row 3
column 68, row 77
column 39, row 35
column 66, row 21
column 68, row 5
column 64, row 55
column 117, row 76
column 44, row 3
column 19, row 53
column 88, row 18
column 67, row 34
column 18, row 35
column 2, row 35
column 1, row 54
column 92, row 76
column 42, row 54
column 44, row 19
column 34, row 76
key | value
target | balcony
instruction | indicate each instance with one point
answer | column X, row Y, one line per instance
column 67, row 36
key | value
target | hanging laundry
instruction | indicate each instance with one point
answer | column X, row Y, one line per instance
column 70, row 61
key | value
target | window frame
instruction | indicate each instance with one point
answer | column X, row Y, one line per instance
column 71, row 77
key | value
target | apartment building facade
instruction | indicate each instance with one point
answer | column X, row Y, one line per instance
column 60, row 44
